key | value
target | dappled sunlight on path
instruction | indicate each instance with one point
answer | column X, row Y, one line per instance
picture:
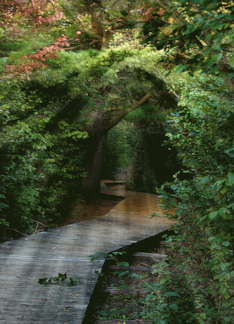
column 67, row 250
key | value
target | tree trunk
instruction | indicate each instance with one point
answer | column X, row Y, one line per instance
column 96, row 23
column 93, row 160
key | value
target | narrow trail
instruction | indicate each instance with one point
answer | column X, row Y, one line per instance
column 67, row 250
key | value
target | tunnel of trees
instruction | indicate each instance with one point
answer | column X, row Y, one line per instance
column 90, row 89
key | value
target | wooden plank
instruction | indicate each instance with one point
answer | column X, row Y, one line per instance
column 149, row 258
column 66, row 250
column 125, row 291
column 131, row 269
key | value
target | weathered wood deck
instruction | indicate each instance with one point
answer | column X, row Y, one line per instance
column 66, row 250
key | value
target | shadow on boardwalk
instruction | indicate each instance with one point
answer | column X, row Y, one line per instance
column 66, row 250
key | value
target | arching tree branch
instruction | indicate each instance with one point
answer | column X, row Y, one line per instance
column 116, row 119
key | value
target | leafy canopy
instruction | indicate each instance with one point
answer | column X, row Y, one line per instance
column 199, row 33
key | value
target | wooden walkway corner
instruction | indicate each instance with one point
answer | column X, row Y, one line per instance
column 67, row 250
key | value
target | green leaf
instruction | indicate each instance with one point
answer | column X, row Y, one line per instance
column 181, row 68
column 231, row 62
column 154, row 215
column 42, row 281
column 135, row 275
column 124, row 13
column 174, row 307
column 215, row 47
column 62, row 276
column 213, row 215
column 226, row 296
column 230, row 181
column 123, row 264
column 224, row 213
column 218, row 184
column 163, row 280
column 217, row 57
column 72, row 282
column 224, row 190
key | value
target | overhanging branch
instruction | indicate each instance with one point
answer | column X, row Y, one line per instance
column 114, row 121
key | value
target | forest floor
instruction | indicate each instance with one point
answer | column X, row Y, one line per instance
column 127, row 285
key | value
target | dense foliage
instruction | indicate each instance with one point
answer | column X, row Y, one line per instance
column 120, row 145
column 200, row 262
column 197, row 282
column 199, row 34
column 40, row 156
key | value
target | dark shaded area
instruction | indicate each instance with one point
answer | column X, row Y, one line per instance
column 92, row 163
column 155, row 164
column 152, row 162
column 162, row 157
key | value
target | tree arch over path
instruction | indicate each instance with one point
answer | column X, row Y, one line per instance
column 125, row 81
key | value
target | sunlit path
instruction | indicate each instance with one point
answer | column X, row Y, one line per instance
column 67, row 250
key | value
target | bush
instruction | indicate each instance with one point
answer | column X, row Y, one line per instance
column 201, row 260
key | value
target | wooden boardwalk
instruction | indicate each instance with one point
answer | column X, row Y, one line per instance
column 66, row 250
